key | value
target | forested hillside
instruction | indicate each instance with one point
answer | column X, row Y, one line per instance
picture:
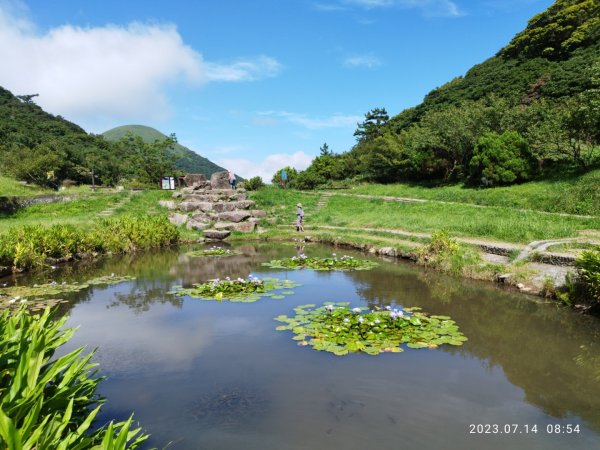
column 47, row 150
column 187, row 160
column 531, row 110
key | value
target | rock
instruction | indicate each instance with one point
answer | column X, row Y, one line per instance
column 504, row 278
column 245, row 227
column 258, row 213
column 224, row 226
column 169, row 204
column 233, row 216
column 177, row 194
column 5, row 270
column 201, row 217
column 189, row 206
column 194, row 179
column 223, row 207
column 178, row 219
column 244, row 204
column 196, row 225
column 219, row 180
column 202, row 185
column 387, row 251
column 216, row 234
column 520, row 286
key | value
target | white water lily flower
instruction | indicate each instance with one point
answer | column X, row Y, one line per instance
column 346, row 320
column 330, row 307
column 356, row 310
column 377, row 321
column 361, row 320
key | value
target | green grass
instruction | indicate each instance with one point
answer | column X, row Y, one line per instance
column 84, row 211
column 11, row 187
column 574, row 195
column 497, row 223
column 282, row 202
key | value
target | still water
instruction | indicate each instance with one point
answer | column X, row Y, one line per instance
column 217, row 375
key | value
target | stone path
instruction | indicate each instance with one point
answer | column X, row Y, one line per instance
column 110, row 211
column 325, row 196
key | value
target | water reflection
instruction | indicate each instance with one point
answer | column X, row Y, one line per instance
column 216, row 374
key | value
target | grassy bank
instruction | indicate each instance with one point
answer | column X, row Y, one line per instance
column 493, row 223
column 572, row 195
column 84, row 211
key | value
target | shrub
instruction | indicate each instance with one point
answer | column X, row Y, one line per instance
column 48, row 402
column 254, row 184
column 588, row 265
column 502, row 159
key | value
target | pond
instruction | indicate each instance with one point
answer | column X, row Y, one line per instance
column 217, row 375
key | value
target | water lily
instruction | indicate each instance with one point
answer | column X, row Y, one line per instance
column 361, row 320
column 330, row 308
column 356, row 310
column 346, row 320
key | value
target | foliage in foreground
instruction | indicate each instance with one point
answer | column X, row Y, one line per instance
column 240, row 290
column 48, row 403
column 345, row 262
column 337, row 329
column 31, row 246
column 588, row 264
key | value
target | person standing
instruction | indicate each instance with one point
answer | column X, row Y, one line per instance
column 232, row 180
column 299, row 217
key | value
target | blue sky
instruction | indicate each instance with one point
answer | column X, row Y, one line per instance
column 253, row 85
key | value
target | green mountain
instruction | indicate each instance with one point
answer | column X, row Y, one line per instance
column 530, row 111
column 552, row 58
column 188, row 160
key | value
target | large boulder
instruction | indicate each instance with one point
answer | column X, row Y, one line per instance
column 189, row 206
column 194, row 179
column 245, row 227
column 233, row 216
column 197, row 225
column 216, row 234
column 178, row 219
column 224, row 226
column 223, row 206
column 244, row 204
column 220, row 180
column 258, row 213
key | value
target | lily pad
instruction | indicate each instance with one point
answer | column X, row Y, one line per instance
column 213, row 251
column 334, row 262
column 339, row 329
column 239, row 290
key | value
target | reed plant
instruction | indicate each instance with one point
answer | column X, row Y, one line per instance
column 48, row 402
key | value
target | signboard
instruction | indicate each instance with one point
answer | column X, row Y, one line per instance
column 168, row 183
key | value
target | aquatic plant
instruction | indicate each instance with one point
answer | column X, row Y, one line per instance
column 588, row 264
column 213, row 251
column 344, row 262
column 32, row 246
column 16, row 295
column 245, row 290
column 47, row 402
column 340, row 330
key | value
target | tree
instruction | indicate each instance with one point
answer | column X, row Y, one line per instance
column 372, row 125
column 502, row 159
column 291, row 176
column 325, row 150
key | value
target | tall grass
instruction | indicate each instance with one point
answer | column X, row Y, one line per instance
column 48, row 403
column 10, row 187
column 30, row 246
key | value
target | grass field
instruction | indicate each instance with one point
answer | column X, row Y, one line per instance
column 84, row 211
column 10, row 187
column 575, row 195
column 493, row 223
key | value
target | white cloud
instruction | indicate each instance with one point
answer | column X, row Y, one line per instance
column 429, row 7
column 311, row 123
column 368, row 61
column 109, row 71
column 268, row 166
